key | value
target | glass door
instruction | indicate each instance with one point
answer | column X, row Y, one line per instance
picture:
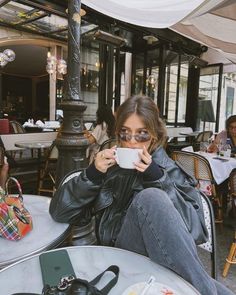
column 209, row 98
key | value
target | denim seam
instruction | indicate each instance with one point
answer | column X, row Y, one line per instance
column 165, row 254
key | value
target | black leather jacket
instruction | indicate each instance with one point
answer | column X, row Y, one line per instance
column 77, row 200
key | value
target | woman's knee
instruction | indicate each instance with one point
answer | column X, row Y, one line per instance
column 152, row 198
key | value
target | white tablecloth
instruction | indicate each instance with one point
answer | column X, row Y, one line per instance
column 220, row 169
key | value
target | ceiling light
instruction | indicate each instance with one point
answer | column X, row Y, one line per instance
column 150, row 39
column 6, row 56
column 56, row 66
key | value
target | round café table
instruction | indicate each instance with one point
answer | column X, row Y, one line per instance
column 46, row 233
column 88, row 262
column 38, row 145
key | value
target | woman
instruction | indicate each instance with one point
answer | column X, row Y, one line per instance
column 104, row 129
column 221, row 138
column 156, row 204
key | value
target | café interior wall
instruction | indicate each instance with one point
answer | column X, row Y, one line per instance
column 38, row 98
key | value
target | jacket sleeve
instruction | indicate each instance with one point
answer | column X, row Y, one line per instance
column 73, row 201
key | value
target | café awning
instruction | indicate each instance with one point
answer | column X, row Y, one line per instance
column 215, row 28
column 148, row 13
column 210, row 22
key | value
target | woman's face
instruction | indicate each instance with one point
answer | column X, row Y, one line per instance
column 232, row 129
column 135, row 126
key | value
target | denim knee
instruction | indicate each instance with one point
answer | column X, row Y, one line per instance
column 153, row 199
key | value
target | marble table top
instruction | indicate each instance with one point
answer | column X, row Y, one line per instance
column 34, row 144
column 88, row 262
column 46, row 233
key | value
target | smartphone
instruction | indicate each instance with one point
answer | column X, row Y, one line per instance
column 55, row 265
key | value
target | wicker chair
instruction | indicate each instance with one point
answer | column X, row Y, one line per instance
column 107, row 144
column 231, row 258
column 200, row 169
column 202, row 136
column 17, row 127
column 47, row 173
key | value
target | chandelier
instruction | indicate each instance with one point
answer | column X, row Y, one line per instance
column 57, row 67
column 6, row 56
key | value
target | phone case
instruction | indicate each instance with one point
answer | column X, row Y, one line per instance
column 54, row 266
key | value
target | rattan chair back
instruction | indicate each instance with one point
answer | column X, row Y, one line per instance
column 48, row 172
column 195, row 164
column 17, row 127
column 204, row 136
column 107, row 144
column 199, row 168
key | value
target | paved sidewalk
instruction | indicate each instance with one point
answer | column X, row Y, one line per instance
column 224, row 236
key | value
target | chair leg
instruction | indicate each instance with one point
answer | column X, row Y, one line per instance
column 217, row 203
column 231, row 259
column 44, row 177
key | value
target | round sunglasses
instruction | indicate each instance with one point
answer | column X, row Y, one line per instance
column 139, row 137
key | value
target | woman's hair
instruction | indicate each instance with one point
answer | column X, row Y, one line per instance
column 104, row 114
column 230, row 120
column 148, row 111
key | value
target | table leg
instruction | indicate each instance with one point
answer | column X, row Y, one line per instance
column 39, row 166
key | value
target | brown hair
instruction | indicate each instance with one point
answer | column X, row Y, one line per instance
column 230, row 120
column 148, row 111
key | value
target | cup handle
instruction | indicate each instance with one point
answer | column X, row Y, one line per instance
column 116, row 157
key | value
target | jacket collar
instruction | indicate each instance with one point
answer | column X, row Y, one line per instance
column 160, row 156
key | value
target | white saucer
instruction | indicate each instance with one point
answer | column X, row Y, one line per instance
column 154, row 289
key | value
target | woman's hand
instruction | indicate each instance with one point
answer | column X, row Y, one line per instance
column 89, row 136
column 212, row 148
column 105, row 159
column 86, row 133
column 146, row 160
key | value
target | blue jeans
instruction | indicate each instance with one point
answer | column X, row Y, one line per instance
column 160, row 233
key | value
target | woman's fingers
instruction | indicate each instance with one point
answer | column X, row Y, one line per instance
column 146, row 157
column 105, row 159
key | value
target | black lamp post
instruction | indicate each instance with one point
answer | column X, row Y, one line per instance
column 71, row 143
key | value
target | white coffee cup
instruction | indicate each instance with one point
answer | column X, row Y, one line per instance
column 126, row 157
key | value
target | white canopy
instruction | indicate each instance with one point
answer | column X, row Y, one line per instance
column 215, row 28
column 209, row 22
column 147, row 13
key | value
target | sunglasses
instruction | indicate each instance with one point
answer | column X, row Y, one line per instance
column 139, row 137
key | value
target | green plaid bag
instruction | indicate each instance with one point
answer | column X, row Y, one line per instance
column 15, row 219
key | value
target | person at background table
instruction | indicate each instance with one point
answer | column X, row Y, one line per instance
column 229, row 132
column 105, row 126
column 154, row 209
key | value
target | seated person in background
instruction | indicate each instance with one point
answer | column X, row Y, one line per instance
column 229, row 132
column 105, row 125
column 154, row 209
